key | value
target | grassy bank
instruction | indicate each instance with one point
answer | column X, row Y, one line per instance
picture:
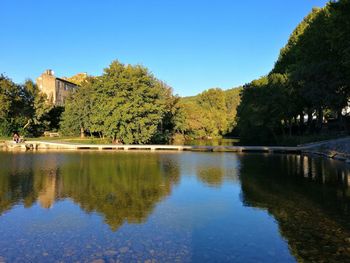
column 86, row 140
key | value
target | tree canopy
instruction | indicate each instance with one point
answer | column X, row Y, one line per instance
column 310, row 80
column 127, row 104
column 24, row 108
column 308, row 86
column 209, row 114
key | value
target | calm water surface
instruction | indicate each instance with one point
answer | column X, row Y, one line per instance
column 172, row 207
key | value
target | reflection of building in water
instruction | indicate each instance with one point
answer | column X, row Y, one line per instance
column 123, row 191
column 29, row 179
column 47, row 195
column 47, row 183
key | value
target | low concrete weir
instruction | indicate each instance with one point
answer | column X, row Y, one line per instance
column 43, row 145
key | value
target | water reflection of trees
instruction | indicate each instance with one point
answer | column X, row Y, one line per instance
column 308, row 197
column 23, row 179
column 123, row 187
column 212, row 169
column 211, row 175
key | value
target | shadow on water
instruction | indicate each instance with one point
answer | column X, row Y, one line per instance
column 309, row 198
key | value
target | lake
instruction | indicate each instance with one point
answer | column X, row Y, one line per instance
column 172, row 207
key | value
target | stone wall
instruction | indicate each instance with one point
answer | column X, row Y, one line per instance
column 47, row 85
column 56, row 89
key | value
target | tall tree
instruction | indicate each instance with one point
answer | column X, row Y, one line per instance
column 127, row 104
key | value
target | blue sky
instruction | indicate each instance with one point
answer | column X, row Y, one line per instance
column 192, row 45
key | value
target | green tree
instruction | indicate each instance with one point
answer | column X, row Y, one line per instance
column 76, row 118
column 127, row 104
column 20, row 107
column 9, row 101
column 209, row 114
column 134, row 103
column 310, row 77
column 213, row 102
column 232, row 99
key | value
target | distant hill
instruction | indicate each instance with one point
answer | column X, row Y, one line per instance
column 232, row 99
column 211, row 113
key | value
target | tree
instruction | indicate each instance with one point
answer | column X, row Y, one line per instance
column 213, row 101
column 134, row 103
column 9, row 99
column 209, row 114
column 232, row 99
column 39, row 113
column 127, row 104
column 76, row 118
column 311, row 76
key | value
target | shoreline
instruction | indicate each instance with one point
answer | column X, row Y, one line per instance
column 337, row 149
column 44, row 145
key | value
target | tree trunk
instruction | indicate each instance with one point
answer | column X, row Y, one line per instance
column 301, row 123
column 320, row 118
column 340, row 119
column 309, row 120
column 27, row 124
column 283, row 126
column 274, row 135
column 82, row 134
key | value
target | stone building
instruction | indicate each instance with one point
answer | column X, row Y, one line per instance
column 56, row 89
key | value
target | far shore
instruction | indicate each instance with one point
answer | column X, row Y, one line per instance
column 337, row 149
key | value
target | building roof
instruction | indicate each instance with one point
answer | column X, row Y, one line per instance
column 67, row 81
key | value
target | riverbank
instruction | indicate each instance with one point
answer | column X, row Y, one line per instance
column 338, row 149
column 47, row 145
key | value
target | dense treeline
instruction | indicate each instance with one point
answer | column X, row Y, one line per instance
column 129, row 105
column 24, row 108
column 309, row 85
column 209, row 114
column 126, row 104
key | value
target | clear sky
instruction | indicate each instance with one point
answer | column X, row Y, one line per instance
column 192, row 45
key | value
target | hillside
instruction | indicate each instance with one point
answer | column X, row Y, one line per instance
column 211, row 113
